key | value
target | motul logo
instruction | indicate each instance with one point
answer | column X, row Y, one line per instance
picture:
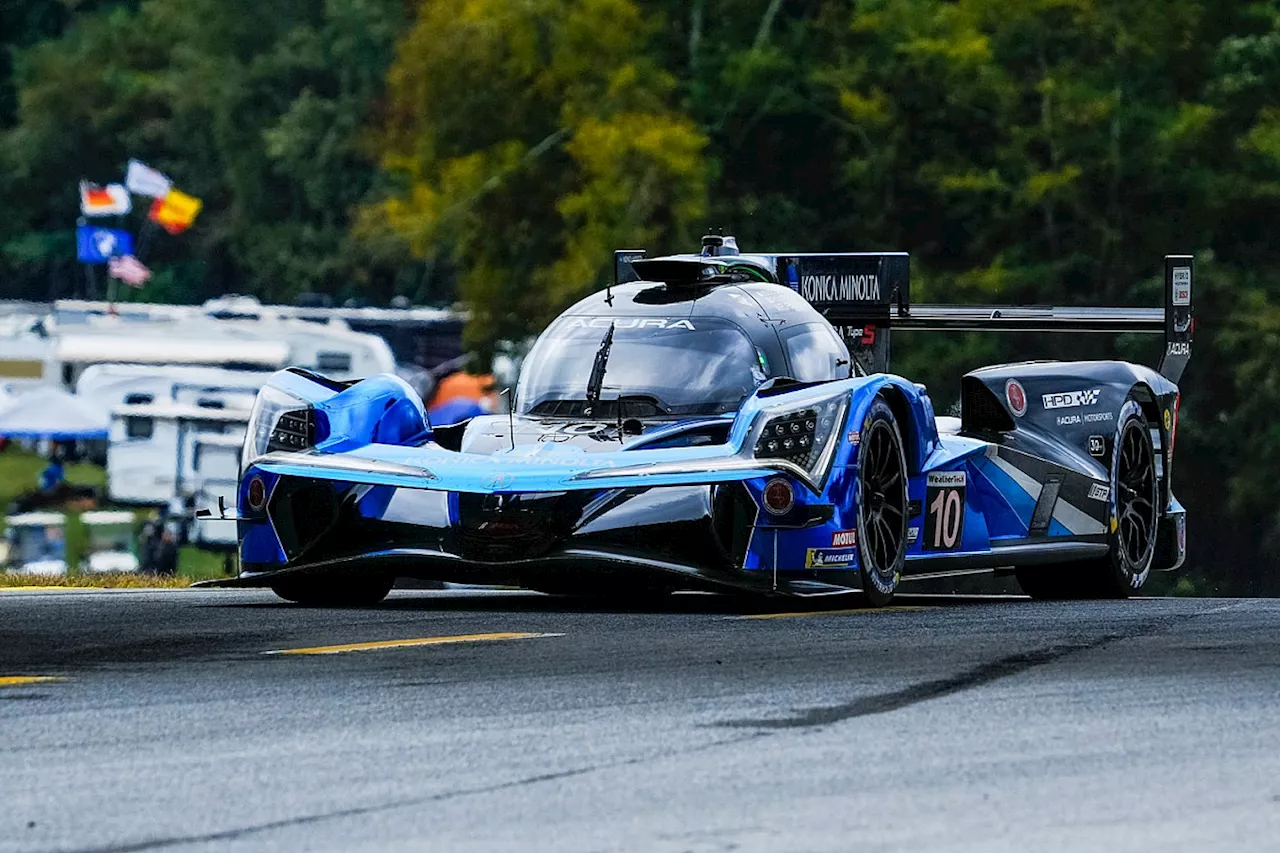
column 1072, row 399
column 844, row 539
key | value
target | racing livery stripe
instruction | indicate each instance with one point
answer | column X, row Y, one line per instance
column 1076, row 521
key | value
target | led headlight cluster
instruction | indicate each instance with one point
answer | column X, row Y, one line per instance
column 272, row 407
column 803, row 436
column 789, row 437
column 294, row 430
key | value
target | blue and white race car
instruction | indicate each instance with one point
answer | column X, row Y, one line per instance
column 726, row 421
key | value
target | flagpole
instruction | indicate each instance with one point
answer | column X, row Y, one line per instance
column 144, row 239
column 88, row 280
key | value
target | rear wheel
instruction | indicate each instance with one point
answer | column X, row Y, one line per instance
column 1135, row 503
column 334, row 591
column 882, row 505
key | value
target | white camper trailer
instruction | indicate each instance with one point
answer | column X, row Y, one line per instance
column 74, row 353
column 328, row 348
column 113, row 385
column 27, row 361
column 331, row 347
column 151, row 456
column 217, row 475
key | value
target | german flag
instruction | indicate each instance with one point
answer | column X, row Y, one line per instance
column 111, row 200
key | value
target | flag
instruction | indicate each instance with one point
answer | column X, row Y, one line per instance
column 128, row 269
column 141, row 179
column 176, row 211
column 111, row 200
column 96, row 245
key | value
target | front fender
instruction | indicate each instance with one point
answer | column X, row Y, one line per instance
column 912, row 408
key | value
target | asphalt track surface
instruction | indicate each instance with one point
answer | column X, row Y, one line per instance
column 951, row 724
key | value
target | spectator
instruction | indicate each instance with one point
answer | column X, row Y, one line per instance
column 461, row 396
column 166, row 554
column 52, row 476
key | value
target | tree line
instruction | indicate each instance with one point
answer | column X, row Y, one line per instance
column 495, row 153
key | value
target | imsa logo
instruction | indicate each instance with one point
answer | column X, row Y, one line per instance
column 1072, row 399
column 840, row 288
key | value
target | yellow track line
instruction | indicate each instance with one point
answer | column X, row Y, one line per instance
column 37, row 588
column 400, row 644
column 20, row 680
column 851, row 612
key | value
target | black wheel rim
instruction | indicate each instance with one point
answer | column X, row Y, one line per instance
column 884, row 498
column 1136, row 500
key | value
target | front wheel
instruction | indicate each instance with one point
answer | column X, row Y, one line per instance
column 882, row 505
column 1135, row 516
column 334, row 591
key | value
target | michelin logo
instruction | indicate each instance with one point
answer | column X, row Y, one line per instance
column 1072, row 399
column 840, row 288
column 822, row 558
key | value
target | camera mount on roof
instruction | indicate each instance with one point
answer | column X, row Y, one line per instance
column 718, row 245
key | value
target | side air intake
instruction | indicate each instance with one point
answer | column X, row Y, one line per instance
column 980, row 409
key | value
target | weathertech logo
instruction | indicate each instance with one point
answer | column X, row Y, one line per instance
column 1072, row 399
column 840, row 288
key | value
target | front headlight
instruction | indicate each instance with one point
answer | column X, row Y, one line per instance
column 278, row 421
column 806, row 436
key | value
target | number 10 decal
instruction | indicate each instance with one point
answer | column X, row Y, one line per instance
column 944, row 511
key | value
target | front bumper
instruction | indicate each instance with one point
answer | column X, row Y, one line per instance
column 691, row 537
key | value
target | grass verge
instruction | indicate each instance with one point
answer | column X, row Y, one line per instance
column 103, row 581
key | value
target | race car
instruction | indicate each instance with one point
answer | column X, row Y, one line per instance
column 726, row 421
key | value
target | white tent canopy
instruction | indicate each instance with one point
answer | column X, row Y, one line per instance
column 51, row 412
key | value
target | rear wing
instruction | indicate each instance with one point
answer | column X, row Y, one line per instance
column 865, row 295
column 1174, row 321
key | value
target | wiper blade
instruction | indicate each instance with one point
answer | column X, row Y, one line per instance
column 596, row 382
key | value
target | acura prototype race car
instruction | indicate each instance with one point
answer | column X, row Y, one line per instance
column 726, row 421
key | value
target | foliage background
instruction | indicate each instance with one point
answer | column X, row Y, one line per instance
column 495, row 152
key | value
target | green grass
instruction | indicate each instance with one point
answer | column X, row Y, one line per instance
column 19, row 472
column 75, row 579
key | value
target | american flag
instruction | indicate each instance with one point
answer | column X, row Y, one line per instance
column 128, row 269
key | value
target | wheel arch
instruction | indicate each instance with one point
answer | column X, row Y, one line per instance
column 1147, row 400
column 914, row 414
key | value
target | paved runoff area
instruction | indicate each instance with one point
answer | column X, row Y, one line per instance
column 496, row 721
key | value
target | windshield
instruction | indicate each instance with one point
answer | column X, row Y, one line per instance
column 653, row 366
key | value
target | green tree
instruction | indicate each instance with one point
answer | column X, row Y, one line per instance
column 260, row 109
column 526, row 141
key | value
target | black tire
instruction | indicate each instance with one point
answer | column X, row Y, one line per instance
column 334, row 591
column 1135, row 492
column 882, row 504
